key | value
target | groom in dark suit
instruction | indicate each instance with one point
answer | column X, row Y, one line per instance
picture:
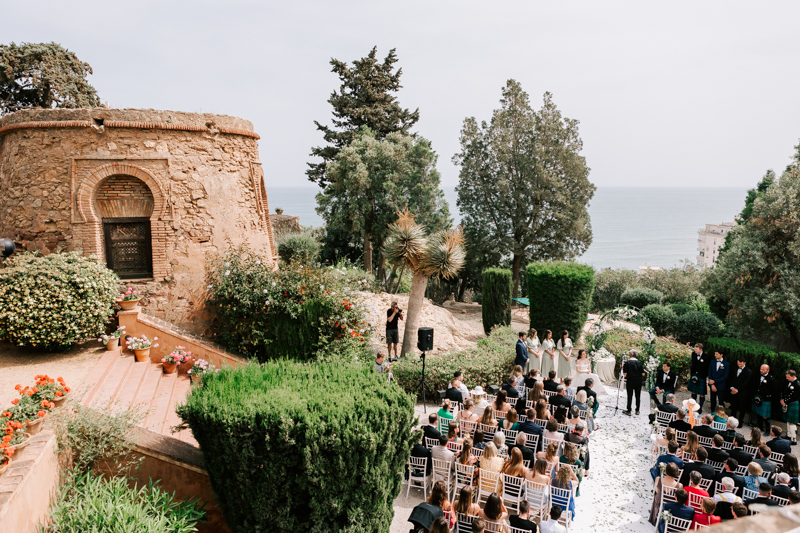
column 665, row 383
column 717, row 379
column 633, row 370
column 522, row 350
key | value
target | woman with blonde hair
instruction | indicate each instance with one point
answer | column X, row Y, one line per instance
column 535, row 351
column 755, row 476
column 464, row 504
column 488, row 418
column 518, row 375
column 692, row 443
column 550, row 454
column 570, row 457
column 490, row 462
column 537, row 392
column 515, row 466
column 564, row 479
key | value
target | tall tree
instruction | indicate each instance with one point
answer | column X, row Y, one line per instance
column 523, row 184
column 43, row 75
column 365, row 98
column 759, row 274
column 372, row 179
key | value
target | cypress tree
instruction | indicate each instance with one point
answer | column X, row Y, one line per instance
column 496, row 298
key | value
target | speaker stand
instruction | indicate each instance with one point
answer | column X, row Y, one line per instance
column 424, row 384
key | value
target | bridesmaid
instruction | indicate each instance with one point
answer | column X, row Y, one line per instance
column 549, row 355
column 564, row 348
column 534, row 351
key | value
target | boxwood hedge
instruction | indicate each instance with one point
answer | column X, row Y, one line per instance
column 302, row 447
column 496, row 304
column 561, row 296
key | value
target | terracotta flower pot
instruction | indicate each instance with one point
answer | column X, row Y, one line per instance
column 112, row 345
column 4, row 466
column 184, row 367
column 127, row 305
column 35, row 426
column 169, row 368
column 18, row 448
column 58, row 400
column 142, row 355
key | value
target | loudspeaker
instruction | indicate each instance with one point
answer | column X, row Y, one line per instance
column 425, row 339
column 492, row 390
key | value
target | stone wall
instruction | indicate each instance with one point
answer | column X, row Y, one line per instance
column 203, row 173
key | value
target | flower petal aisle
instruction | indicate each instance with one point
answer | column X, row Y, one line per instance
column 616, row 496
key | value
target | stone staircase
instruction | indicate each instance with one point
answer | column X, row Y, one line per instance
column 119, row 380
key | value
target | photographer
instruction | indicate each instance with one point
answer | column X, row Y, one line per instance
column 393, row 315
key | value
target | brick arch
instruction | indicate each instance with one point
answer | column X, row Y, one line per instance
column 92, row 231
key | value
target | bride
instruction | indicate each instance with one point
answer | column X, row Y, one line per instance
column 583, row 368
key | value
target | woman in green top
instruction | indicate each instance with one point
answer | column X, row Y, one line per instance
column 510, row 422
column 444, row 412
column 570, row 457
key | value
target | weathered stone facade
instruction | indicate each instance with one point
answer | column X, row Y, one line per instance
column 195, row 179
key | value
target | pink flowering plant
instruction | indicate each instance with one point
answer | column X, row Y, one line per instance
column 130, row 295
column 201, row 367
column 142, row 343
column 116, row 335
column 178, row 356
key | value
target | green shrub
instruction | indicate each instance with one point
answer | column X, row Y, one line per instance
column 697, row 326
column 678, row 285
column 641, row 297
column 440, row 290
column 620, row 341
column 560, row 295
column 661, row 317
column 488, row 364
column 55, row 300
column 302, row 447
column 609, row 286
column 298, row 247
column 93, row 503
column 682, row 309
column 496, row 305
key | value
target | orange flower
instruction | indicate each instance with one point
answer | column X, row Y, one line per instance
column 29, row 393
column 7, row 438
column 45, row 403
column 35, row 390
column 41, row 413
column 59, row 393
column 17, row 387
column 15, row 401
column 66, row 389
column 7, row 414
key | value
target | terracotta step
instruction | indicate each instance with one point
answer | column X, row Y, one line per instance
column 113, row 381
column 161, row 404
column 97, row 375
column 130, row 388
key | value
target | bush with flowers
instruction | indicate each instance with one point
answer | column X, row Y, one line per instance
column 130, row 295
column 142, row 343
column 55, row 300
column 105, row 339
column 301, row 311
column 200, row 368
column 178, row 356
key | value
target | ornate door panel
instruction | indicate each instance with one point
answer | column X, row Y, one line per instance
column 128, row 247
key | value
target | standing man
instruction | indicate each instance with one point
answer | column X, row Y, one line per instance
column 790, row 403
column 762, row 402
column 699, row 374
column 739, row 394
column 522, row 350
column 717, row 377
column 634, row 375
column 665, row 384
column 393, row 315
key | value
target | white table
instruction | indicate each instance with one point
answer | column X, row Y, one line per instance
column 604, row 368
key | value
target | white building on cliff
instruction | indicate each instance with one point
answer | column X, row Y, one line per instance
column 709, row 241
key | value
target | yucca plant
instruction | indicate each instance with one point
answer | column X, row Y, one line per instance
column 440, row 255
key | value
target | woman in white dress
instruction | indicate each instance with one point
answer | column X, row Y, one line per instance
column 549, row 353
column 583, row 367
column 534, row 352
column 564, row 349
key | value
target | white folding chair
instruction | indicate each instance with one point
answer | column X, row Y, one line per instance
column 523, row 418
column 563, row 428
column 726, row 445
column 783, row 502
column 477, row 452
column 417, row 476
column 491, row 398
column 776, row 458
column 455, row 447
column 546, row 442
column 442, row 471
column 667, row 495
column 680, row 436
column 467, row 427
column 500, row 416
column 540, row 422
column 582, row 414
column 698, row 526
column 511, row 437
column 548, row 394
column 530, row 404
column 695, row 501
column 677, row 525
column 444, row 425
column 494, row 527
column 562, row 498
column 705, row 484
column 663, row 419
column 526, row 463
column 550, row 467
column 430, row 443
column 517, row 530
column 522, row 389
column 464, row 523
column 487, row 483
column 749, row 494
column 513, row 491
column 531, row 441
column 718, row 466
column 705, row 442
column 752, row 450
column 565, row 519
column 488, row 432
column 719, row 426
column 465, row 474
column 538, row 496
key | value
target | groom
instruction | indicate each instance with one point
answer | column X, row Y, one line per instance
column 522, row 350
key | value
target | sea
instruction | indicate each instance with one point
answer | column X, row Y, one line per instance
column 632, row 226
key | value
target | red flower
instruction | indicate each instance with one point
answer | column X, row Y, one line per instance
column 15, row 401
column 41, row 414
column 66, row 389
column 59, row 393
column 17, row 387
column 7, row 414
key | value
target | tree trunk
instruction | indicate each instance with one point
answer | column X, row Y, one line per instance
column 461, row 288
column 515, row 274
column 390, row 280
column 399, row 279
column 415, row 300
column 367, row 254
column 381, row 274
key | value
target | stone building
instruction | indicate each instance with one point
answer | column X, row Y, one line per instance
column 151, row 193
column 709, row 241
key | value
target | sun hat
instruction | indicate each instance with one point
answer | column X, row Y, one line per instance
column 477, row 391
column 690, row 404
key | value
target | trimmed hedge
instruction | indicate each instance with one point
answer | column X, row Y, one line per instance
column 682, row 309
column 641, row 297
column 561, row 295
column 661, row 317
column 302, row 447
column 697, row 326
column 488, row 364
column 496, row 305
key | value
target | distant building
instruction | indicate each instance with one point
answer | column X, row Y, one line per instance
column 709, row 241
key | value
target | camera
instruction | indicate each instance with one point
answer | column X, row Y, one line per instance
column 392, row 359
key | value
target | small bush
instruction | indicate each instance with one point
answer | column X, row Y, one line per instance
column 439, row 290
column 302, row 447
column 560, row 295
column 610, row 284
column 641, row 297
column 488, row 364
column 496, row 306
column 661, row 317
column 298, row 247
column 55, row 300
column 697, row 326
column 93, row 503
column 682, row 309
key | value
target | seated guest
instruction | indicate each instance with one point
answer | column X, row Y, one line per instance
column 577, row 438
column 764, row 493
column 517, row 374
column 479, row 440
column 560, row 400
column 762, row 458
column 740, row 510
column 536, row 392
column 680, row 423
column 706, row 471
column 531, row 427
column 465, row 457
column 720, row 415
column 499, row 441
column 778, row 443
column 521, row 521
column 678, row 508
column 781, row 489
column 590, row 393
column 488, row 418
column 689, row 449
column 669, row 479
column 490, row 462
column 438, row 498
column 458, row 383
column 550, row 384
column 466, row 413
column 521, row 406
column 580, row 403
column 422, row 452
column 791, row 467
column 568, row 388
column 478, row 526
column 756, row 440
column 479, row 400
column 738, row 452
column 716, row 452
column 442, row 453
column 527, row 453
column 729, row 471
column 431, row 431
column 453, row 392
column 444, row 411
column 500, row 403
column 704, row 429
column 669, row 434
column 565, row 479
column 453, row 433
column 552, row 525
column 494, row 510
column 694, row 487
column 730, row 432
column 551, row 432
column 794, row 497
column 667, row 407
column 541, row 410
column 755, row 476
column 541, row 475
column 664, row 384
column 726, row 499
column 440, row 525
column 464, row 504
column 570, row 457
column 514, row 467
column 530, row 379
column 706, row 517
column 510, row 421
column 550, row 454
column 669, row 457
column 510, row 387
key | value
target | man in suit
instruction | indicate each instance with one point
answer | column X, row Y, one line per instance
column 764, row 493
column 669, row 457
column 699, row 374
column 678, row 508
column 729, row 471
column 667, row 407
column 739, row 392
column 431, row 431
column 717, row 379
column 778, row 443
column 706, row 470
column 730, row 432
column 790, row 404
column 550, row 384
column 738, row 453
column 762, row 458
column 704, row 429
column 634, row 375
column 680, row 423
column 522, row 351
column 765, row 392
column 527, row 453
column 588, row 385
column 716, row 453
column 522, row 521
column 782, row 488
column 510, row 388
column 531, row 428
column 560, row 400
column 665, row 384
column 421, row 451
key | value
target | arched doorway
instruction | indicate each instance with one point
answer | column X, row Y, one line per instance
column 125, row 205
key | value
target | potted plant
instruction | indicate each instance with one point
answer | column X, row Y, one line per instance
column 199, row 369
column 50, row 390
column 129, row 299
column 178, row 356
column 29, row 411
column 279, row 210
column 15, row 439
column 141, row 347
column 4, row 462
column 112, row 341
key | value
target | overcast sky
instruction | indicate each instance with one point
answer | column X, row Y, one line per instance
column 700, row 94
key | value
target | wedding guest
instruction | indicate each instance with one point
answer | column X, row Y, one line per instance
column 766, row 393
column 740, row 389
column 778, row 443
column 510, row 387
column 706, row 516
column 522, row 520
column 541, row 410
column 519, row 378
column 479, row 440
column 536, row 392
column 551, row 383
column 494, row 510
column 669, row 479
column 534, row 352
column 678, row 508
column 564, row 349
column 718, row 371
column 552, row 525
column 699, row 375
column 499, row 441
column 444, row 411
column 464, row 504
column 755, row 476
column 510, row 421
column 500, row 403
column 479, row 401
column 438, row 498
column 664, row 384
column 565, row 479
column 466, row 413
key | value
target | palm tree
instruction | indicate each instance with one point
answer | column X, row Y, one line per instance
column 440, row 255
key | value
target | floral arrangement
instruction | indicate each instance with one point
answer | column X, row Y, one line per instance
column 200, row 368
column 178, row 356
column 105, row 339
column 130, row 295
column 662, row 467
column 49, row 389
column 141, row 343
column 666, row 517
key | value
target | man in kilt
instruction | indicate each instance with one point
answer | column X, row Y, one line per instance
column 790, row 404
column 698, row 375
column 766, row 391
